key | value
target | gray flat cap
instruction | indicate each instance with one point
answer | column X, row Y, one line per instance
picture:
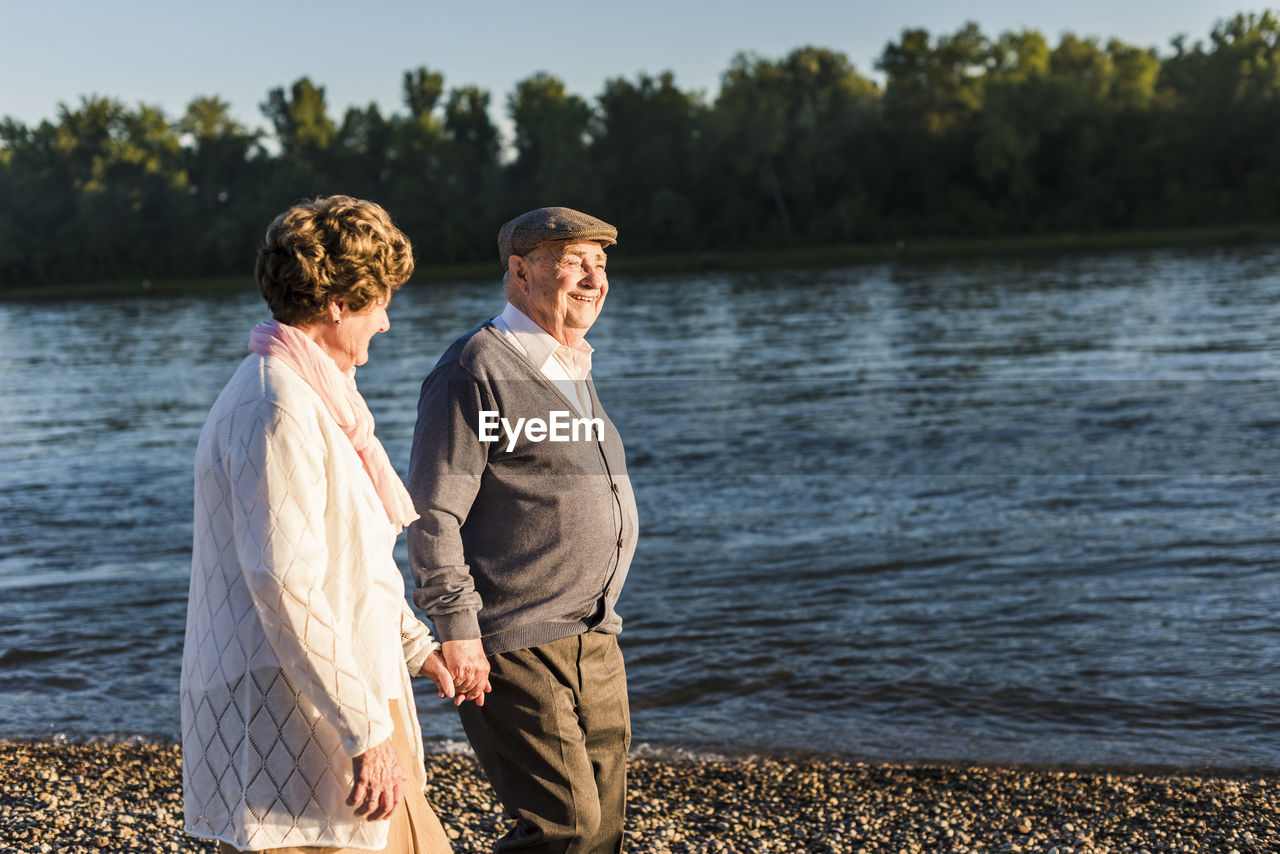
column 522, row 234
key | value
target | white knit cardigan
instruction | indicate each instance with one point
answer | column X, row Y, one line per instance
column 298, row 632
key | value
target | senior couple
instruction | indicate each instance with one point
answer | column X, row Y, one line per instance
column 299, row 731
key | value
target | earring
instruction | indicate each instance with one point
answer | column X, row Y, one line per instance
column 337, row 321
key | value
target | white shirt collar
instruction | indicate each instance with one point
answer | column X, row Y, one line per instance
column 540, row 346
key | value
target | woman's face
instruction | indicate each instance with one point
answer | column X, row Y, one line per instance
column 347, row 340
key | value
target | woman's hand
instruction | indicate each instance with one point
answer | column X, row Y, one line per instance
column 379, row 782
column 434, row 669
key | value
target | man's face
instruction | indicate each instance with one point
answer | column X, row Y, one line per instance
column 564, row 287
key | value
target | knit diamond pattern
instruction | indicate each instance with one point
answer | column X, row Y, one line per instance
column 297, row 630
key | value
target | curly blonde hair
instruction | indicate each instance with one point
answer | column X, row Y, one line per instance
column 328, row 248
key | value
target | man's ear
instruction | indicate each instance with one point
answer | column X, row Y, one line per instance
column 518, row 267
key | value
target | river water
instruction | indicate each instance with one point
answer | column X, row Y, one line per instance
column 1003, row 511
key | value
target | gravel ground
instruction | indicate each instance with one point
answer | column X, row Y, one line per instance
column 127, row 797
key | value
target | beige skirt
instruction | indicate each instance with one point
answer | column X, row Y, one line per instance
column 414, row 826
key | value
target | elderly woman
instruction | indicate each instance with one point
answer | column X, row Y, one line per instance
column 298, row 722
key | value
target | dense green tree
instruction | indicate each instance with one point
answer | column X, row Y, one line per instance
column 970, row 135
column 787, row 144
column 301, row 118
column 551, row 137
column 1245, row 63
column 364, row 149
column 1019, row 57
column 1009, row 128
column 420, row 134
column 1084, row 62
column 938, row 84
column 123, row 168
column 37, row 200
column 419, row 137
column 934, row 92
column 471, row 185
column 422, row 91
column 1133, row 76
column 306, row 135
column 473, row 137
column 429, row 172
column 1222, row 132
column 643, row 153
column 225, row 165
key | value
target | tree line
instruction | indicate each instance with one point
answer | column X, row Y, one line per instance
column 968, row 135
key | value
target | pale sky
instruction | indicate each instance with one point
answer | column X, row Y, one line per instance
column 165, row 52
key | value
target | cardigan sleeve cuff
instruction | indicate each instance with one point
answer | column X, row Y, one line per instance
column 462, row 625
column 416, row 640
column 379, row 730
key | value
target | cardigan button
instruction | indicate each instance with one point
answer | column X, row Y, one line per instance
column 616, row 488
column 619, row 542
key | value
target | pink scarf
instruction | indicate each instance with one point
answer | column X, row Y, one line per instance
column 344, row 402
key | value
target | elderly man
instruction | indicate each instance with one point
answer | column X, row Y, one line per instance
column 527, row 529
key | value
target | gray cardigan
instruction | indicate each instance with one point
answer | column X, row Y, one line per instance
column 519, row 547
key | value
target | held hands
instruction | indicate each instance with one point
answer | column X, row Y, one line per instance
column 468, row 667
column 379, row 781
column 448, row 685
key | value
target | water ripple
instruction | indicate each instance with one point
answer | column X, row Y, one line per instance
column 1013, row 511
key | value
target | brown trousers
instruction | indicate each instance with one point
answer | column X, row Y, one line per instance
column 414, row 827
column 552, row 738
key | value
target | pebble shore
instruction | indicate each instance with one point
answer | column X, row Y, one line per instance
column 88, row 799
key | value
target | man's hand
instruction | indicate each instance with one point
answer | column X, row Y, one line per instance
column 437, row 671
column 378, row 782
column 469, row 667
